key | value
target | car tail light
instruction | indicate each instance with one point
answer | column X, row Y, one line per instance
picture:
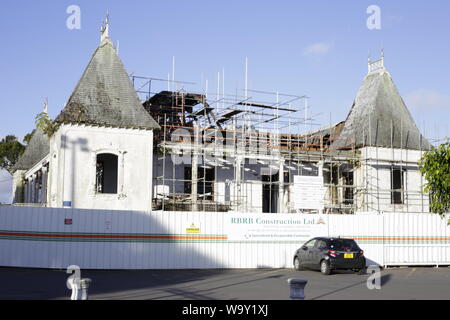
column 332, row 253
column 361, row 253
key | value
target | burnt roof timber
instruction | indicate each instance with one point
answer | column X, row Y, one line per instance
column 250, row 104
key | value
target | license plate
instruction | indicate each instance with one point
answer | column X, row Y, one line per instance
column 348, row 255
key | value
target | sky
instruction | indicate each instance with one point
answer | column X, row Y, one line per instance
column 315, row 48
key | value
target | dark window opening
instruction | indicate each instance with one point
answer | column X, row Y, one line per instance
column 270, row 193
column 205, row 182
column 106, row 176
column 348, row 191
column 397, row 186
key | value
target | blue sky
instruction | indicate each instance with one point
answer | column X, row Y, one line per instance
column 318, row 48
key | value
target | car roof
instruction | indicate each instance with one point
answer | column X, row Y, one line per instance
column 332, row 238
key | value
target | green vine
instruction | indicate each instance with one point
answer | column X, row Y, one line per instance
column 48, row 126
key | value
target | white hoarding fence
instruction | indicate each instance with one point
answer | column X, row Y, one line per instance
column 99, row 239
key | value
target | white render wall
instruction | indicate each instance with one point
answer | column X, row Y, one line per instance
column 73, row 157
column 374, row 175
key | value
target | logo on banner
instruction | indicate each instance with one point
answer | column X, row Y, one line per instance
column 321, row 221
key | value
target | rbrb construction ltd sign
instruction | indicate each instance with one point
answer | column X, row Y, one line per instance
column 274, row 228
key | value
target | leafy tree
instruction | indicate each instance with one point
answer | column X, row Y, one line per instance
column 28, row 137
column 10, row 151
column 435, row 166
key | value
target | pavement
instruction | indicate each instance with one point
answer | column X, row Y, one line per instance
column 415, row 283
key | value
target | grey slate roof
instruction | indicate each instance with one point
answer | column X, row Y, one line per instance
column 105, row 95
column 38, row 148
column 378, row 111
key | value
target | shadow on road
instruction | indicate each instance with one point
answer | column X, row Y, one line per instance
column 383, row 280
column 39, row 284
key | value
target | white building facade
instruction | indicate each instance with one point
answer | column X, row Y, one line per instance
column 110, row 152
column 100, row 156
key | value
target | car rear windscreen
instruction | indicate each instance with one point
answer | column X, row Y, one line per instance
column 343, row 244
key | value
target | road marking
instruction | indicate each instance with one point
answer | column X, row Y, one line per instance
column 411, row 272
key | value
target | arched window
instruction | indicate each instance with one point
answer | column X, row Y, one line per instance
column 107, row 168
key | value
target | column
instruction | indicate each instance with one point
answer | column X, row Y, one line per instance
column 281, row 206
column 44, row 185
column 27, row 191
column 194, row 169
column 33, row 189
column 320, row 166
column 238, row 181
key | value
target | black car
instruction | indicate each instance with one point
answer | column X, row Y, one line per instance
column 327, row 254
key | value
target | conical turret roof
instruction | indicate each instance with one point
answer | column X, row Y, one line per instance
column 38, row 148
column 105, row 95
column 379, row 116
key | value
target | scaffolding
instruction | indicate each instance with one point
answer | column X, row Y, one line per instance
column 240, row 152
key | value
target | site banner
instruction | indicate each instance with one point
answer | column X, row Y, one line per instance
column 275, row 227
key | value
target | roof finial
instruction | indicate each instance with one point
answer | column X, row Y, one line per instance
column 377, row 65
column 46, row 105
column 105, row 28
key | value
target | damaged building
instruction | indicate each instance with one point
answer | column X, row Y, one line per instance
column 120, row 147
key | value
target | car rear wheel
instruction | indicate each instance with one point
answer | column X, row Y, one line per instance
column 362, row 271
column 297, row 265
column 325, row 267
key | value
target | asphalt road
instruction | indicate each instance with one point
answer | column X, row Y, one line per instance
column 397, row 284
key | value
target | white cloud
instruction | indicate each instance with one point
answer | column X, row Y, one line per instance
column 426, row 99
column 5, row 187
column 320, row 48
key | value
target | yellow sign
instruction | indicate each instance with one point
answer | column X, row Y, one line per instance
column 192, row 229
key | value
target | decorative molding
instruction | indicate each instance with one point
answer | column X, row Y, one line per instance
column 376, row 65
